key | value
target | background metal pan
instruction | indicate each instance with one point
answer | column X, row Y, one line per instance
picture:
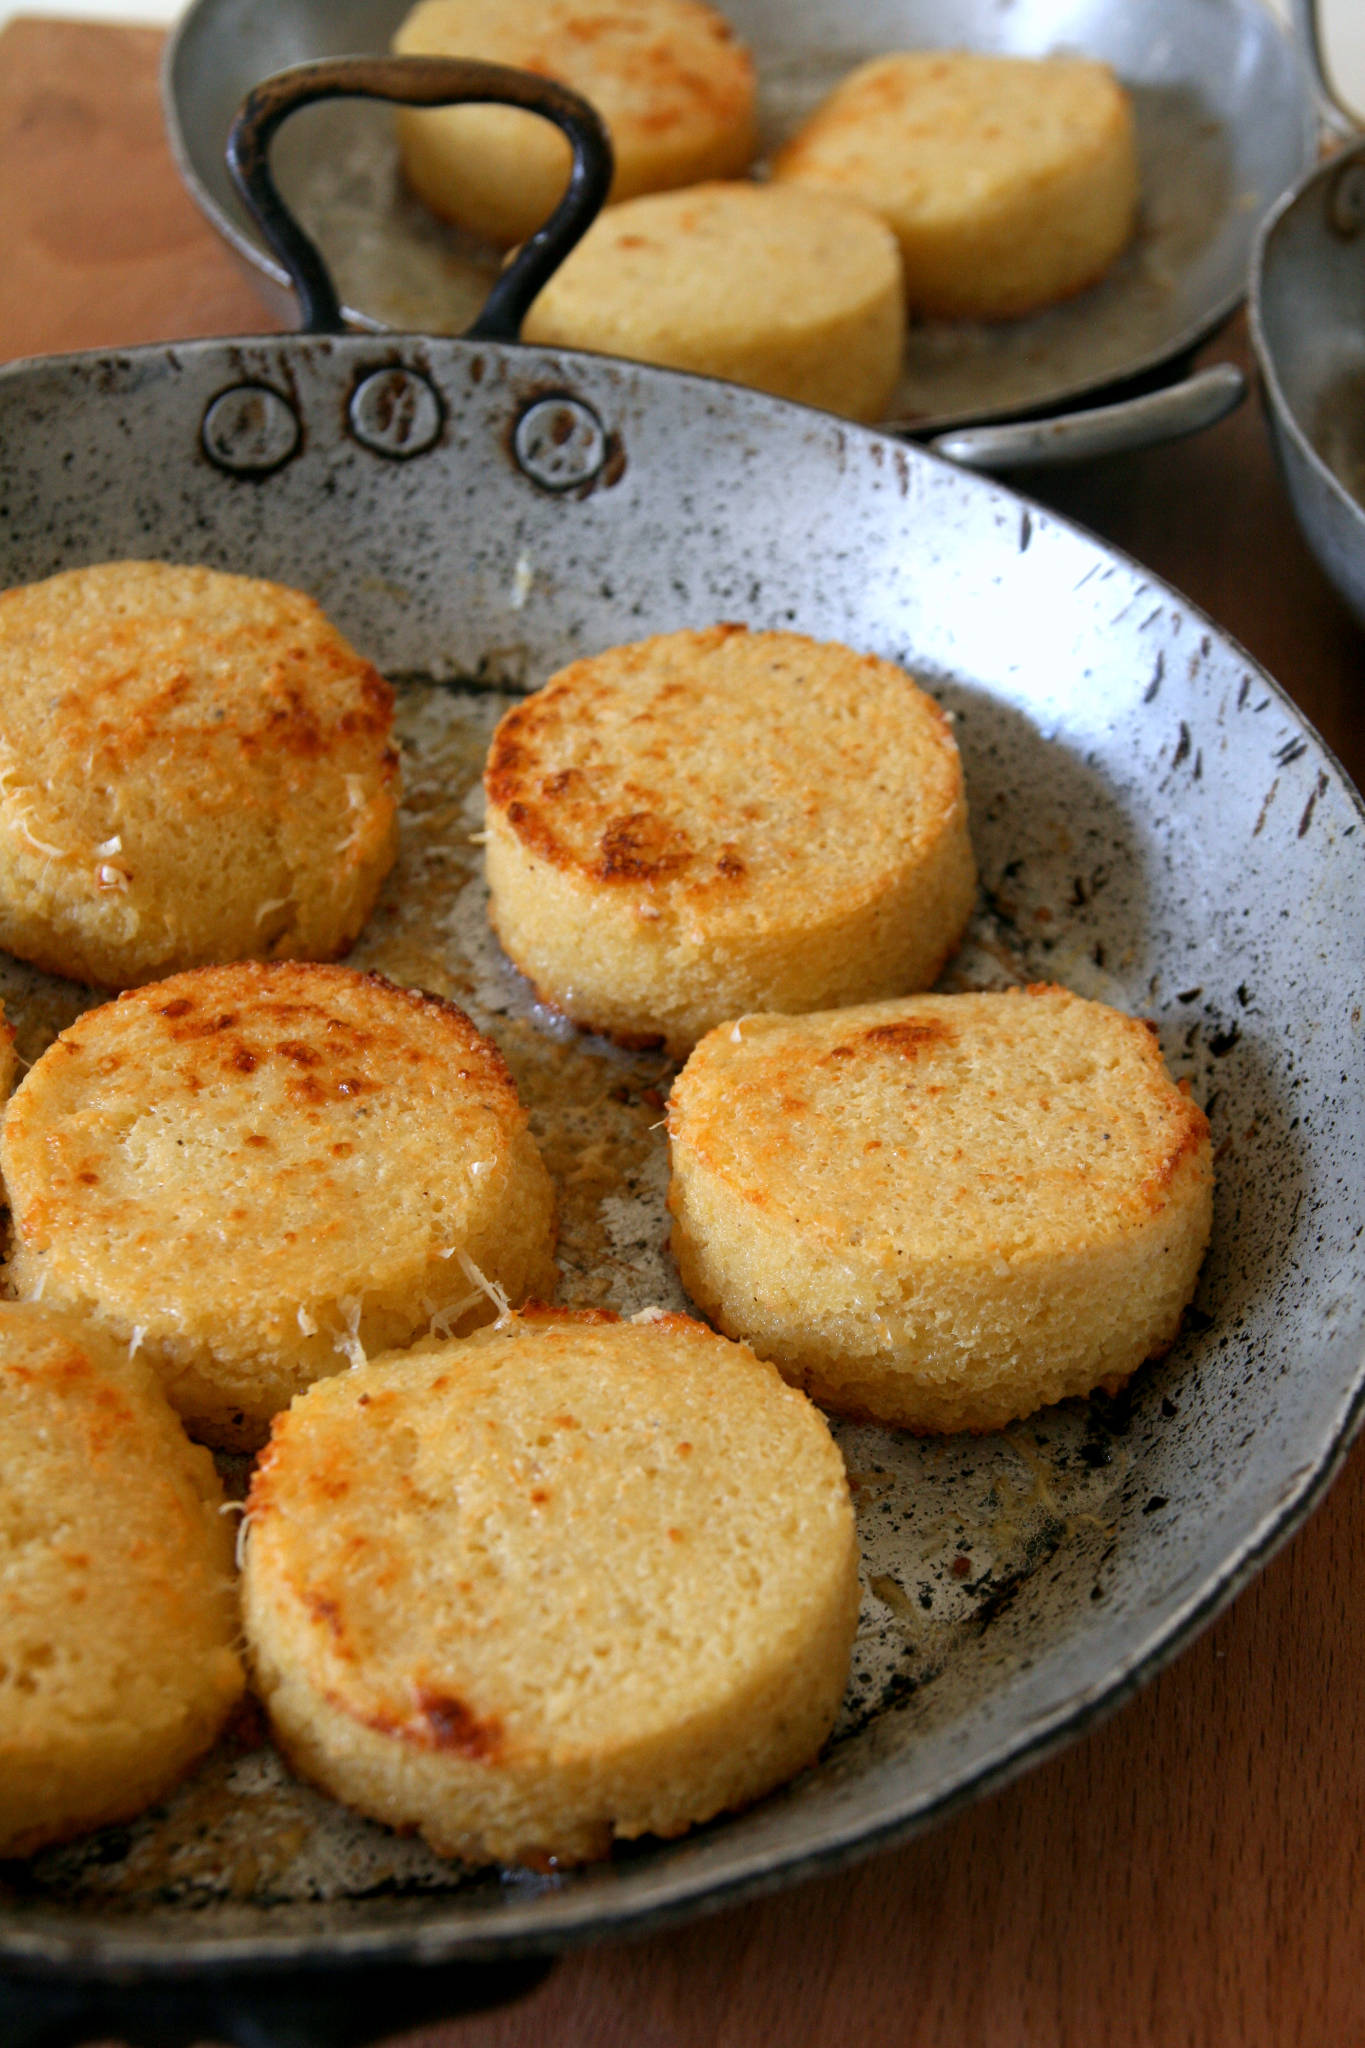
column 1226, row 121
column 1308, row 329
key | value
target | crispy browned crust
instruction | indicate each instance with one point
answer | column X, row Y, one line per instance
column 117, row 1614
column 655, row 84
column 586, row 1462
column 259, row 1171
column 716, row 821
column 194, row 766
column 332, row 1034
column 556, row 811
column 1011, row 182
column 945, row 1212
column 624, row 809
column 672, row 83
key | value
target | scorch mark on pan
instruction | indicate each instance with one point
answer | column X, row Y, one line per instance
column 1264, row 811
column 1320, row 789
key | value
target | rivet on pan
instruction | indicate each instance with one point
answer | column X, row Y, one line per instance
column 1346, row 200
column 560, row 442
column 250, row 430
column 395, row 412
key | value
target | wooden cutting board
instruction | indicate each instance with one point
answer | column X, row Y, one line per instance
column 1189, row 1876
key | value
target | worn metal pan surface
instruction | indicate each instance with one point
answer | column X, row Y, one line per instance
column 1308, row 330
column 1155, row 825
column 1225, row 120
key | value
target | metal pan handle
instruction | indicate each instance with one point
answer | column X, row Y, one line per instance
column 418, row 82
column 1186, row 407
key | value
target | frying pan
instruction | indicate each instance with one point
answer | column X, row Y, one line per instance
column 1307, row 319
column 1154, row 823
column 1226, row 120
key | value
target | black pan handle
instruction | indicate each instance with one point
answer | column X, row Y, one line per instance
column 419, row 82
column 344, row 2007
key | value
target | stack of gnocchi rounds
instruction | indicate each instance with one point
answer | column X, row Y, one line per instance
column 255, row 1162
column 945, row 184
column 938, row 1211
column 527, row 1579
column 693, row 265
column 262, row 1199
column 251, row 1168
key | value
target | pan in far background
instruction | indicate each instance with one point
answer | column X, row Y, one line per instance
column 1227, row 120
column 1308, row 330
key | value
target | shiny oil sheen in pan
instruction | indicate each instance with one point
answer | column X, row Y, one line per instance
column 950, row 1529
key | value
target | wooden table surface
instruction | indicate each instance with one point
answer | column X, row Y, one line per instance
column 1191, row 1873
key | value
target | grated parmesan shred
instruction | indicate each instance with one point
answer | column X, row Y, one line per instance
column 484, row 1284
column 443, row 1320
column 349, row 1344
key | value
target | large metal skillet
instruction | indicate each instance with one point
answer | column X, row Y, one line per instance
column 1154, row 823
column 1226, row 120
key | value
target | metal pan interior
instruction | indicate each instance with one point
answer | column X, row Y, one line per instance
column 1154, row 825
column 1224, row 119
